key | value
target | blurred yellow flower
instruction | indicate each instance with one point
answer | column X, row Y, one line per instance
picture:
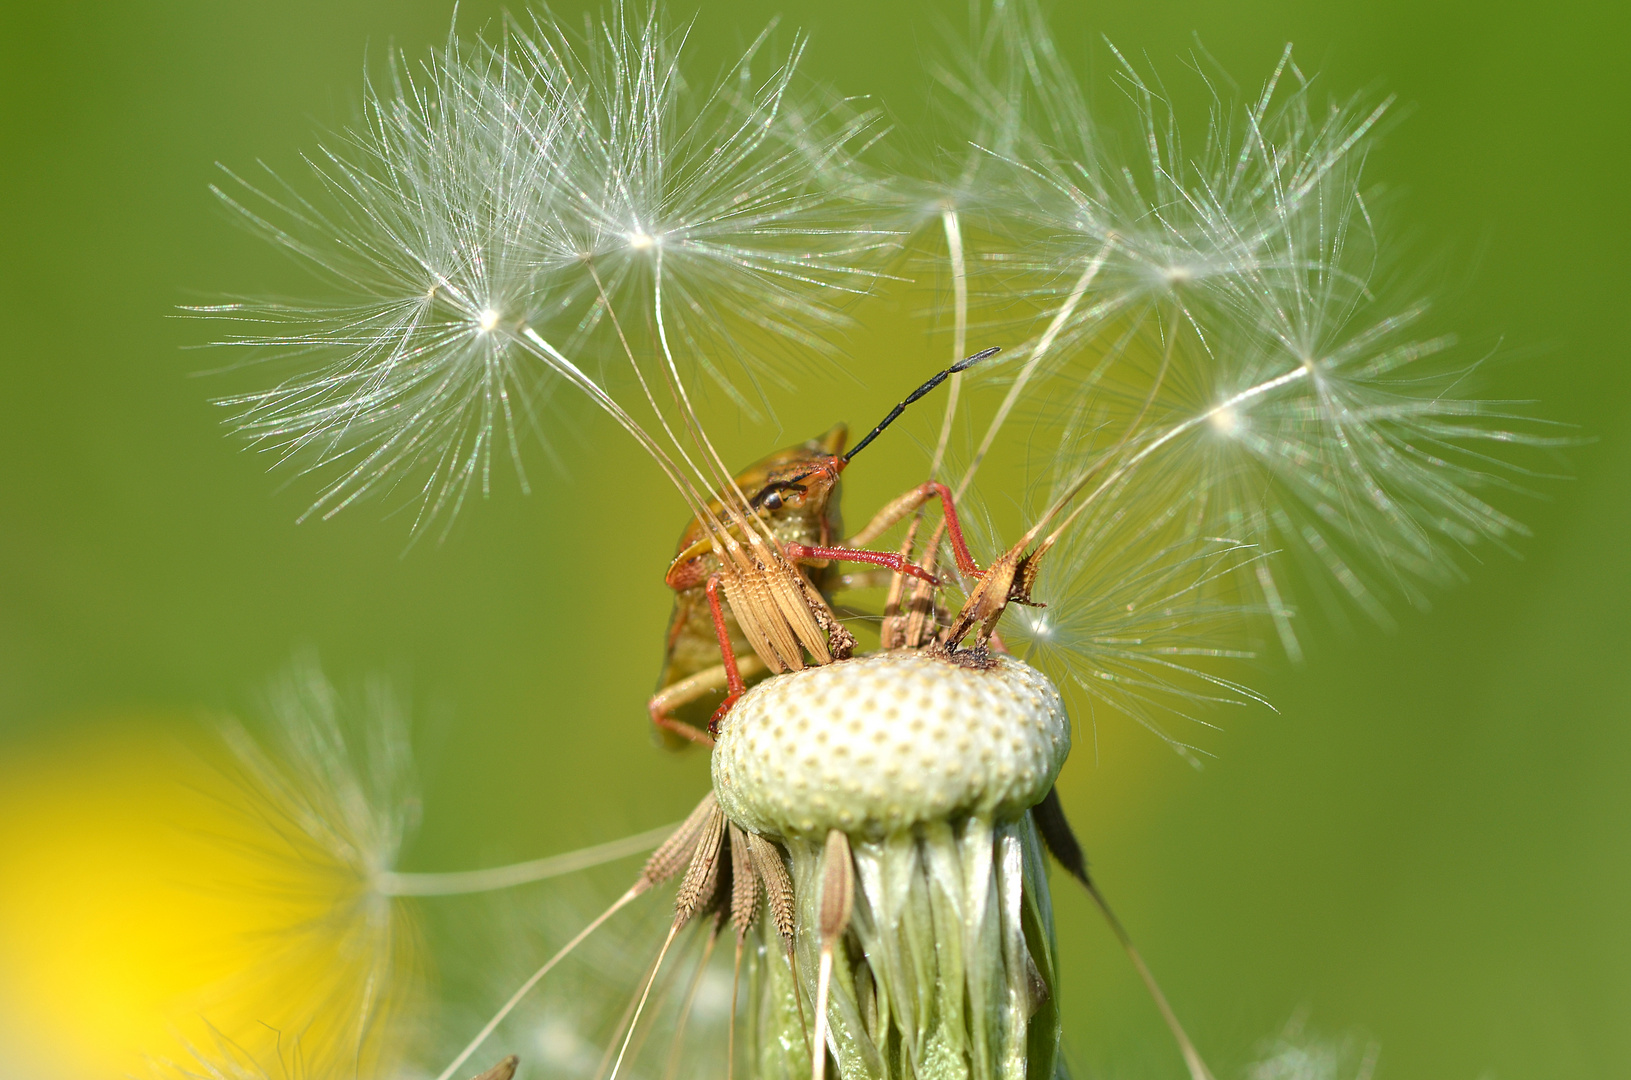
column 143, row 912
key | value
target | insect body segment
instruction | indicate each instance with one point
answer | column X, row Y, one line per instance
column 793, row 494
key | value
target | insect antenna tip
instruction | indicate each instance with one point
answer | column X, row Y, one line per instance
column 894, row 414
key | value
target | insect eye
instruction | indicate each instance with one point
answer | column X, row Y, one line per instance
column 772, row 501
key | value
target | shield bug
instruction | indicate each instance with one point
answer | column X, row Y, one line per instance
column 792, row 496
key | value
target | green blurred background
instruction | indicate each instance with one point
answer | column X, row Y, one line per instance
column 1429, row 844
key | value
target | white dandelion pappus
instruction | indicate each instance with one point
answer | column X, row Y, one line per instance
column 506, row 201
column 328, row 798
column 426, row 233
column 705, row 205
column 1141, row 618
column 1112, row 245
column 985, row 99
column 1225, row 327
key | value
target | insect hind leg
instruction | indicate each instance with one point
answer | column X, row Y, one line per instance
column 693, row 688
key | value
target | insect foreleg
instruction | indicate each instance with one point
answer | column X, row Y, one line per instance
column 898, row 508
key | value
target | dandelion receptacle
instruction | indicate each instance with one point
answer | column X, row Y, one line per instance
column 1232, row 433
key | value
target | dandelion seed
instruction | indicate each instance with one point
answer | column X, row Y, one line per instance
column 334, row 782
column 1223, row 337
column 498, row 209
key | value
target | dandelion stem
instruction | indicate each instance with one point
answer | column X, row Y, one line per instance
column 537, row 976
column 392, row 883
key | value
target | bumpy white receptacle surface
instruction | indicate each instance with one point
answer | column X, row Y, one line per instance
column 882, row 742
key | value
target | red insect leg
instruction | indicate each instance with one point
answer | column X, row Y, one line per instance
column 954, row 528
column 735, row 688
column 889, row 559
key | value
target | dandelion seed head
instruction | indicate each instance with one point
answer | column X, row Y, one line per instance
column 332, row 778
column 915, row 801
column 927, row 741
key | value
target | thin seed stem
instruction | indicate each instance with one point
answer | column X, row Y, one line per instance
column 730, row 1028
column 959, row 334
column 1133, row 462
column 644, row 994
column 1192, row 1057
column 537, row 976
column 818, row 1051
column 726, row 480
column 459, row 882
column 639, row 375
column 672, row 1068
column 1062, row 316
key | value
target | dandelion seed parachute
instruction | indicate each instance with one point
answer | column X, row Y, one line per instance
column 1142, row 618
column 1220, row 336
column 1296, row 1054
column 330, row 798
column 730, row 198
column 538, row 212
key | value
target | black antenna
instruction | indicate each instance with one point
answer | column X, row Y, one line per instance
column 894, row 414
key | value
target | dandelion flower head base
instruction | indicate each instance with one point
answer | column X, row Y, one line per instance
column 885, row 742
column 924, row 771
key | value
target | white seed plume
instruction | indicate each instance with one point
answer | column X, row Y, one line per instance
column 1213, row 326
column 1141, row 614
column 333, row 784
column 542, row 211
